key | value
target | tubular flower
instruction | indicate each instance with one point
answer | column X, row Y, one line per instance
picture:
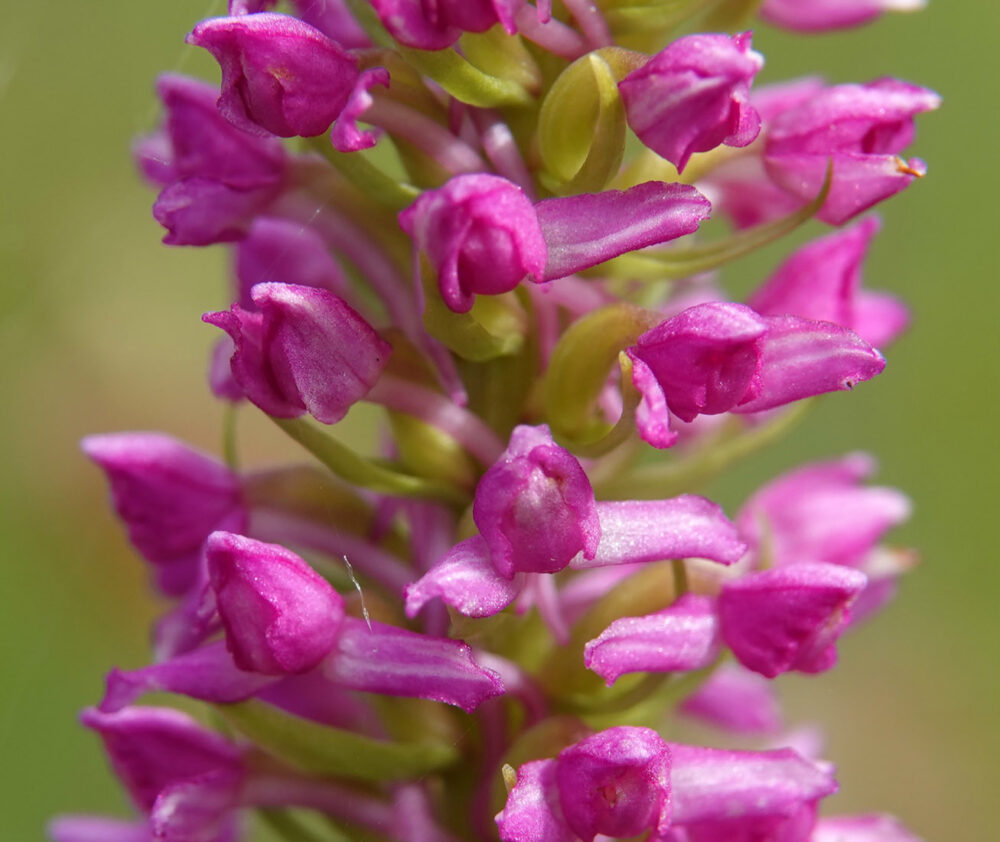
column 503, row 581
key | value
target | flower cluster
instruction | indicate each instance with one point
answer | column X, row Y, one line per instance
column 490, row 227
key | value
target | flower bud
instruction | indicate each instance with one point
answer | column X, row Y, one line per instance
column 278, row 73
column 304, row 350
column 693, row 96
column 280, row 616
column 480, row 234
column 535, row 506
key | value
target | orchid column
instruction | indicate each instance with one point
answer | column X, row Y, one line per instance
column 499, row 222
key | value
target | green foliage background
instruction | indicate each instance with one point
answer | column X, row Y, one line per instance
column 100, row 331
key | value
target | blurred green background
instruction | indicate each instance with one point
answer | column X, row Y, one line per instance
column 100, row 331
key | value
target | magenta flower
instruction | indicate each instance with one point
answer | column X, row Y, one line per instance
column 862, row 129
column 822, row 512
column 614, row 783
column 279, row 74
column 822, row 281
column 535, row 507
column 721, row 357
column 694, row 96
column 303, row 350
column 631, row 532
column 706, row 359
column 216, row 178
column 517, row 569
column 820, row 15
column 154, row 749
column 480, row 234
column 170, row 498
column 280, row 616
column 788, row 618
column 436, row 25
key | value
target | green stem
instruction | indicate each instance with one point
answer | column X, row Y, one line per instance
column 230, row 448
column 681, row 583
column 358, row 470
column 323, row 750
column 288, row 827
column 710, row 459
column 463, row 80
column 368, row 178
